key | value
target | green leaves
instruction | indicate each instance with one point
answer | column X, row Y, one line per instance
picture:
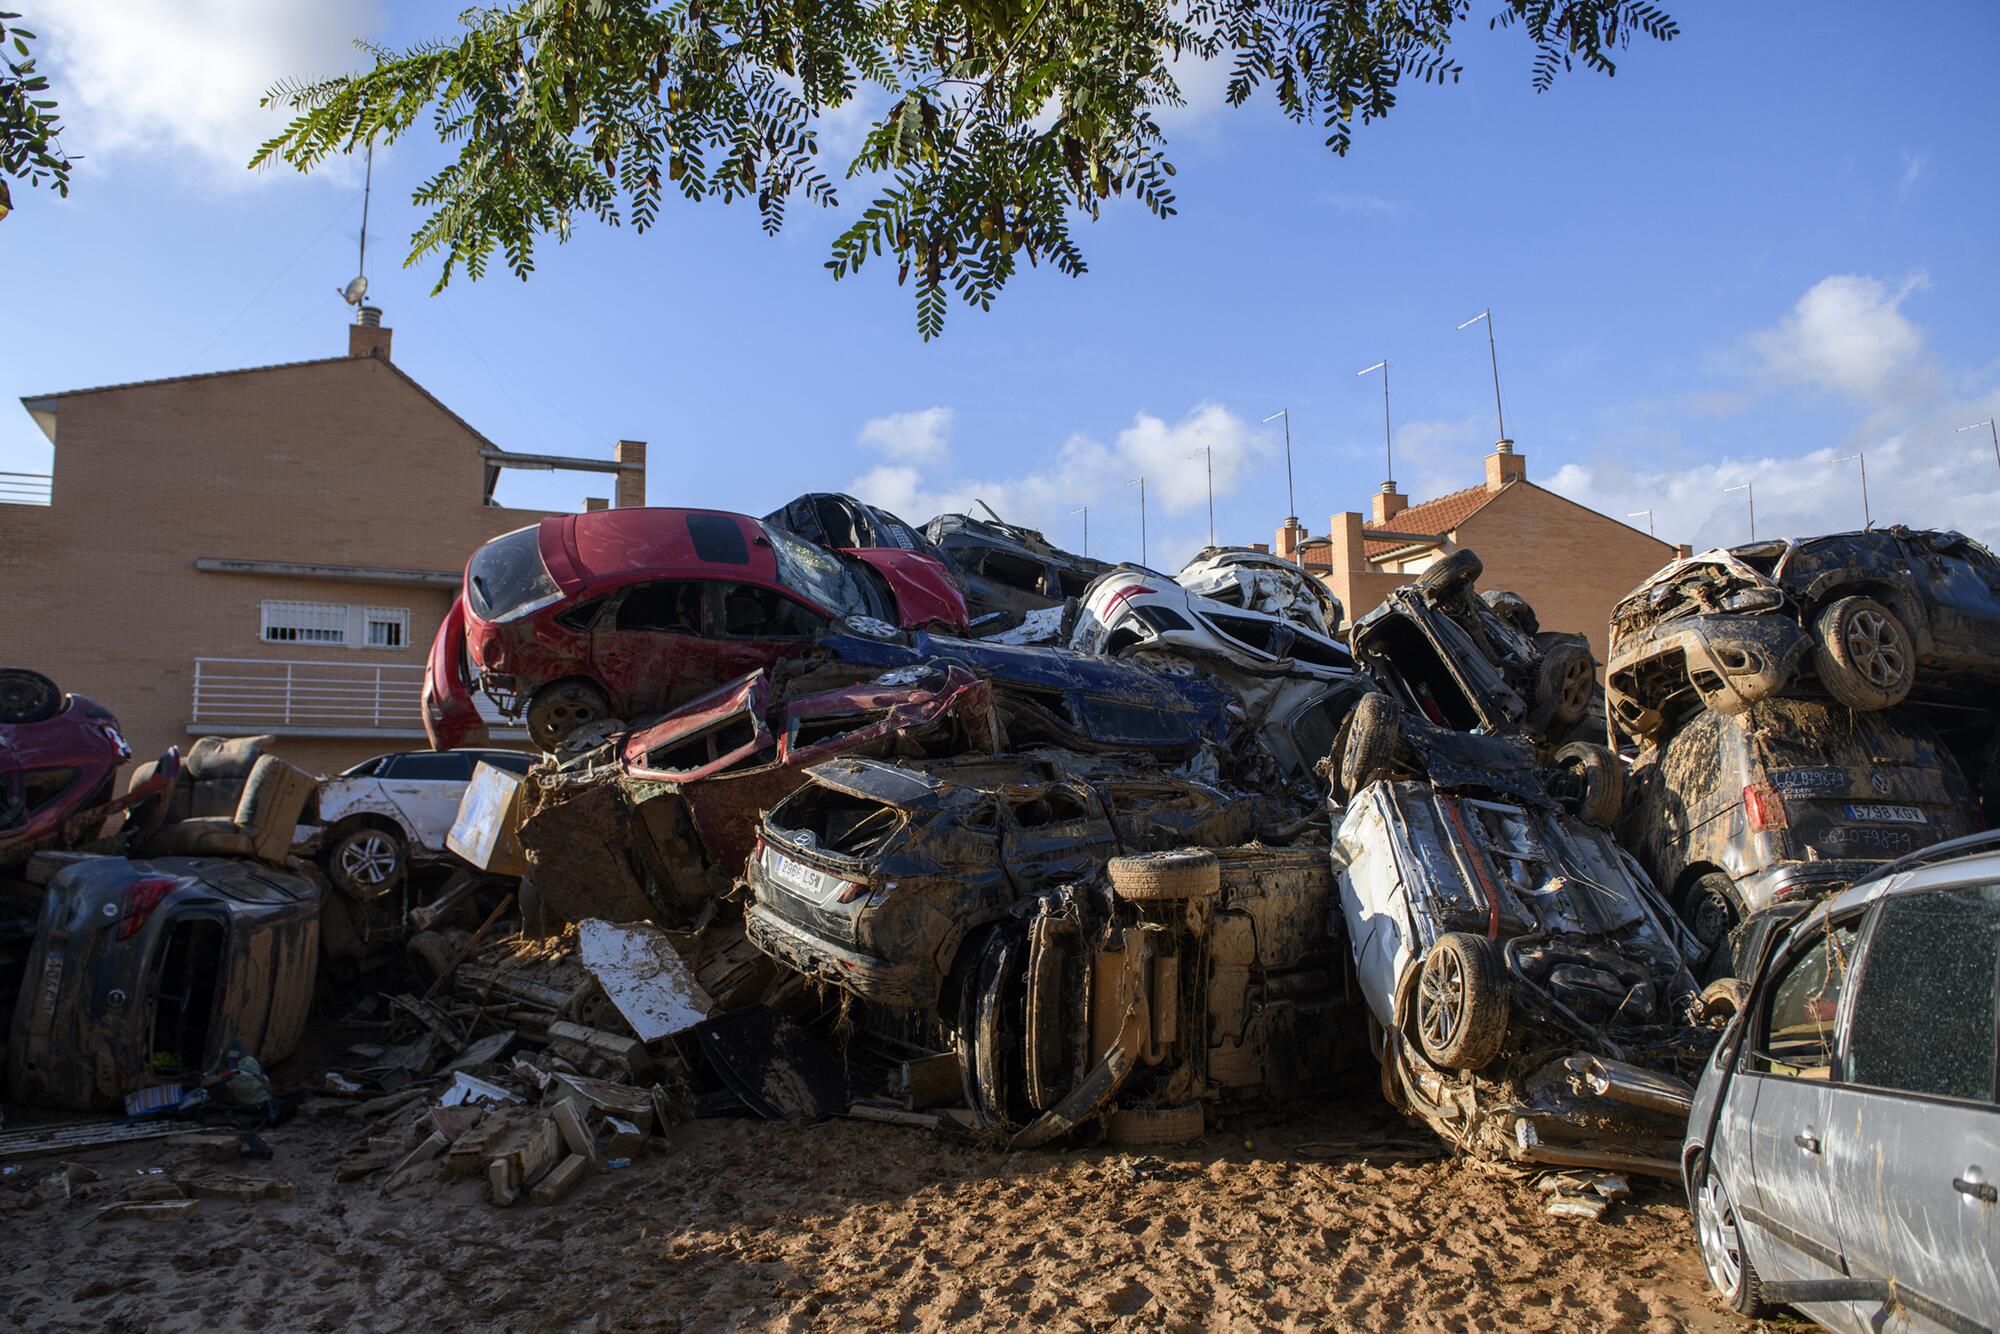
column 1007, row 121
column 30, row 127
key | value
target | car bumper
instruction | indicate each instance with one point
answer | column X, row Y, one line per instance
column 1799, row 880
column 871, row 979
column 1730, row 660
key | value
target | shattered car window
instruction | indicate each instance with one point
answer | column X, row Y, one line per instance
column 1923, row 1016
column 818, row 574
column 1798, row 1031
column 506, row 577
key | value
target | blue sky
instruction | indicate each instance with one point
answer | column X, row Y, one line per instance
column 1758, row 248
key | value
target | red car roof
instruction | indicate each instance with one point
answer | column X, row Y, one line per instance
column 617, row 542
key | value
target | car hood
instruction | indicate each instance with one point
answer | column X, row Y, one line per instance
column 926, row 594
column 1718, row 559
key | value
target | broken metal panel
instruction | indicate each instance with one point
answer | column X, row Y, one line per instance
column 644, row 976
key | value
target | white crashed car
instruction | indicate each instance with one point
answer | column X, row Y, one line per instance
column 1259, row 581
column 1130, row 610
column 371, row 822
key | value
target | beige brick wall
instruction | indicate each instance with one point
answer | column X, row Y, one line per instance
column 1572, row 564
column 341, row 462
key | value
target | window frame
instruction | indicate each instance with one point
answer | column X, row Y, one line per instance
column 1756, row 1055
column 337, row 616
column 396, row 616
column 718, row 620
column 1863, row 951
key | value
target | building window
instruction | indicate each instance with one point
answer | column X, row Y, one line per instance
column 305, row 623
column 387, row 627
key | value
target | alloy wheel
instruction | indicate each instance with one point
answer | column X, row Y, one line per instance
column 1721, row 1245
column 368, row 858
column 1877, row 648
column 1440, row 999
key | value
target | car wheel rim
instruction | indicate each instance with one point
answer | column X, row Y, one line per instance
column 1442, row 993
column 368, row 860
column 1876, row 648
column 1576, row 685
column 1721, row 1246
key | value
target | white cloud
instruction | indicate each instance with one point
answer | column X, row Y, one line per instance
column 912, row 437
column 185, row 75
column 1913, row 167
column 1848, row 334
column 1169, row 455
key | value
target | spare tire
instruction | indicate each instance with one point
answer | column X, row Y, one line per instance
column 1372, row 732
column 1597, row 777
column 1461, row 1002
column 1163, row 877
column 1450, row 574
column 1722, row 1000
column 1863, row 654
column 1135, row 1127
column 27, row 697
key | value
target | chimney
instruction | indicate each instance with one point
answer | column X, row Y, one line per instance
column 1389, row 502
column 1289, row 539
column 631, row 486
column 1259, row 546
column 592, row 504
column 1683, row 551
column 366, row 337
column 1503, row 465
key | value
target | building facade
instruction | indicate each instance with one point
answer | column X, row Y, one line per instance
column 263, row 550
column 1571, row 563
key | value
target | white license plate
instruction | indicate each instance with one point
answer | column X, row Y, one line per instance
column 795, row 875
column 1886, row 814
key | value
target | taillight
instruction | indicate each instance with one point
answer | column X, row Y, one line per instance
column 1763, row 808
column 141, row 897
column 854, row 890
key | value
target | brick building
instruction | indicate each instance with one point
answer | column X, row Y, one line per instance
column 262, row 550
column 1571, row 563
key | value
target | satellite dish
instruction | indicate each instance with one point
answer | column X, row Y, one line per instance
column 354, row 291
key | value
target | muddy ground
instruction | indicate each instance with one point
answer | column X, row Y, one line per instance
column 747, row 1225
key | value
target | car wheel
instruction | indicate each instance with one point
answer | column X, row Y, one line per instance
column 1462, row 1002
column 1721, row 1001
column 27, row 697
column 1864, row 655
column 1138, row 1127
column 367, row 860
column 1596, row 781
column 1372, row 731
column 559, row 709
column 989, row 1037
column 1722, row 1253
column 1712, row 909
column 1166, row 877
column 1450, row 575
column 1564, row 682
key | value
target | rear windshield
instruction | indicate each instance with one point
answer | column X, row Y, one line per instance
column 818, row 575
column 507, row 578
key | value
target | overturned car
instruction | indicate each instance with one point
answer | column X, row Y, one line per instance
column 1007, row 571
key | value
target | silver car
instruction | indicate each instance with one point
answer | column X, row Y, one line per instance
column 1844, row 1145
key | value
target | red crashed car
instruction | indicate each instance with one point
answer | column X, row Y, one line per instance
column 623, row 612
column 59, row 757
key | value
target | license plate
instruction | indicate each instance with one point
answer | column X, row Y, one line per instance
column 1886, row 814
column 795, row 875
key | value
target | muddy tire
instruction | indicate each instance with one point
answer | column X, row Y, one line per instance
column 1514, row 609
column 1721, row 1001
column 1720, row 1233
column 27, row 697
column 560, row 708
column 1565, row 679
column 367, row 861
column 1597, row 778
column 1372, row 731
column 1139, row 1127
column 1450, row 575
column 1712, row 908
column 1166, row 877
column 1863, row 654
column 1461, row 1002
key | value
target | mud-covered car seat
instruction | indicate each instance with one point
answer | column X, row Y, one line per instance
column 210, row 783
column 265, row 818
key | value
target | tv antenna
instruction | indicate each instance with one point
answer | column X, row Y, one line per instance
column 357, row 290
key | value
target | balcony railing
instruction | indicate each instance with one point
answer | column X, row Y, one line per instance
column 320, row 697
column 26, row 488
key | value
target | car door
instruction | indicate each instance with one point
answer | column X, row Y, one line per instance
column 1963, row 584
column 1913, row 1147
column 1785, row 1072
column 425, row 786
column 757, row 625
column 652, row 650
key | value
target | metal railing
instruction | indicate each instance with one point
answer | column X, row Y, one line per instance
column 27, row 488
column 276, row 692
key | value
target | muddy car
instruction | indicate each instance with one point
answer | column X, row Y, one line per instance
column 1532, row 994
column 622, row 612
column 841, row 523
column 1786, row 799
column 1008, row 571
column 1130, row 611
column 1258, row 581
column 59, row 759
column 1873, row 618
column 1477, row 664
column 872, row 875
column 370, row 823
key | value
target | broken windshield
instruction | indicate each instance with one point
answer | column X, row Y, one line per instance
column 818, row 575
column 506, row 578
